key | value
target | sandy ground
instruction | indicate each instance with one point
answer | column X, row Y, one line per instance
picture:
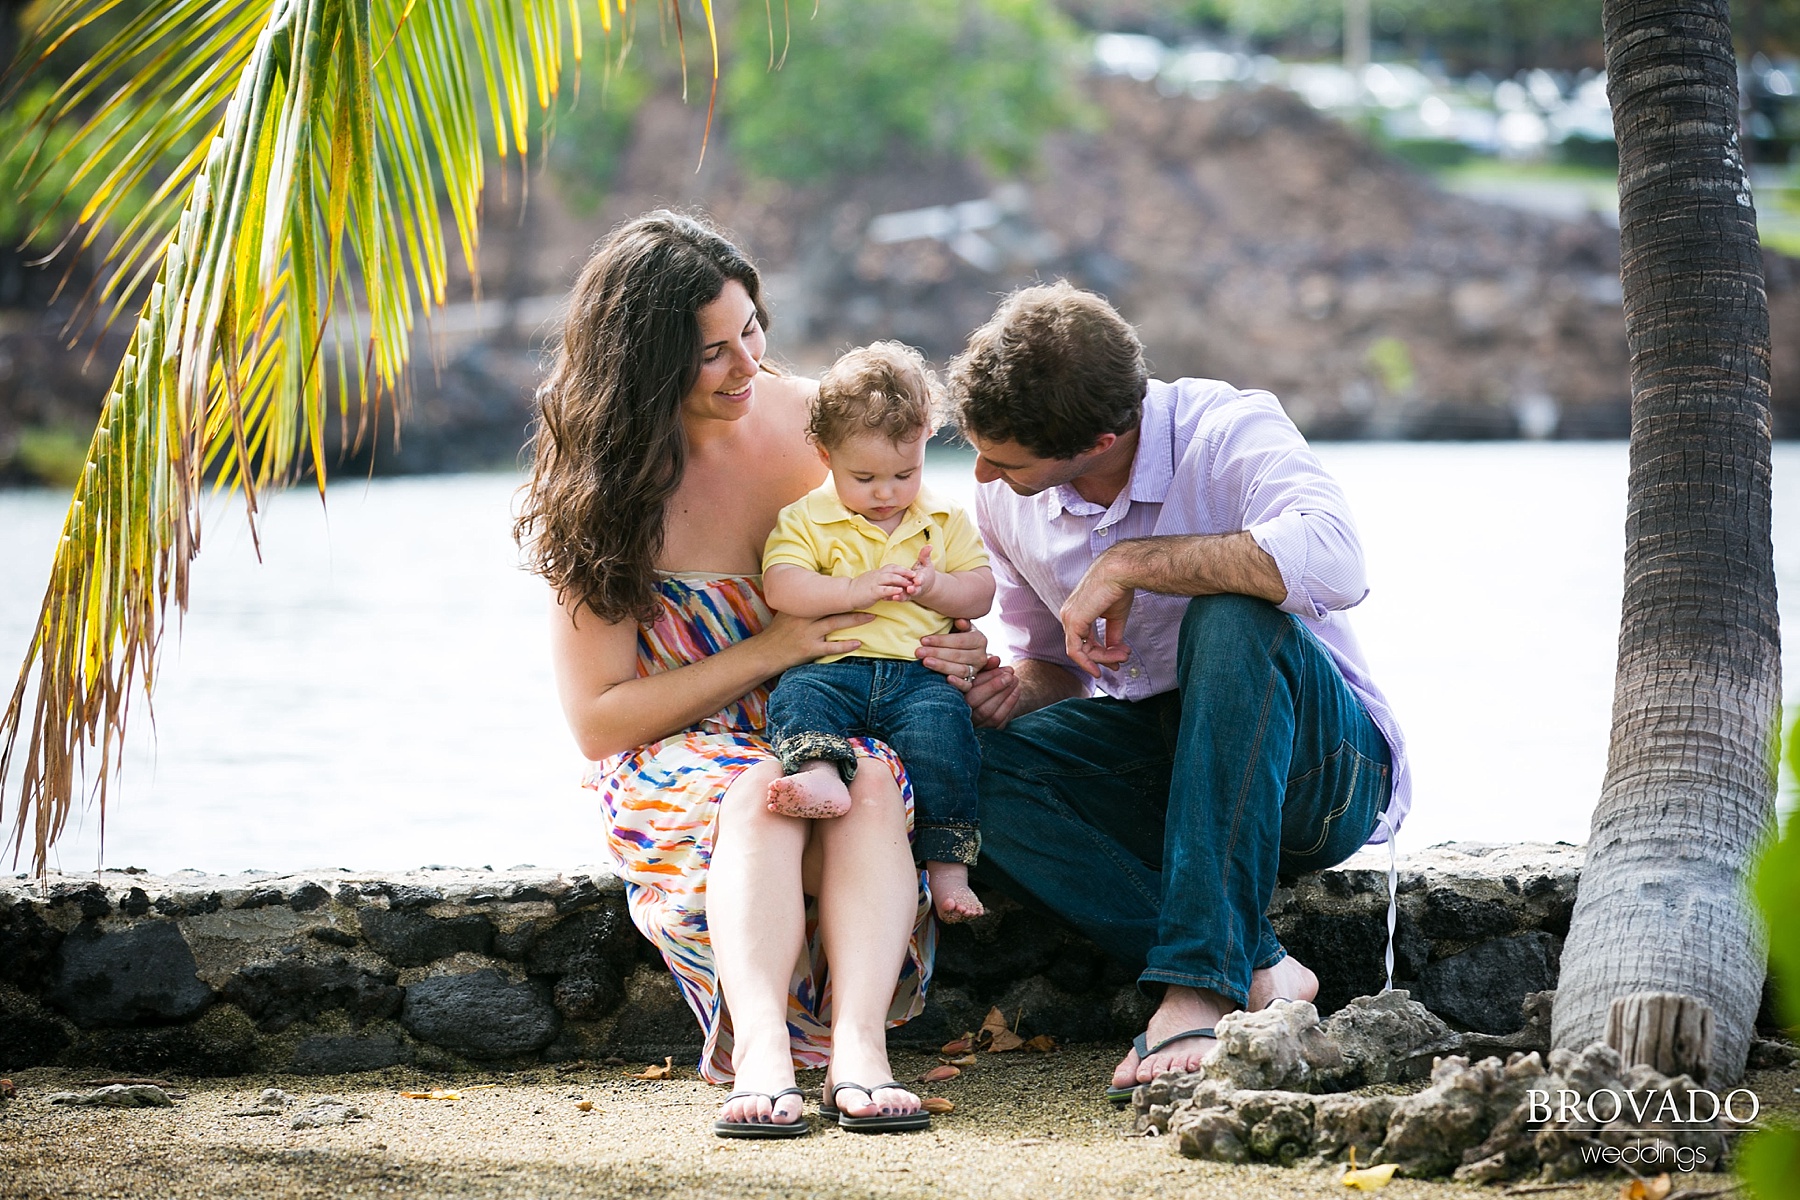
column 1024, row 1126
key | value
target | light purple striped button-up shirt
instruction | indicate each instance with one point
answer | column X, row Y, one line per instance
column 1210, row 460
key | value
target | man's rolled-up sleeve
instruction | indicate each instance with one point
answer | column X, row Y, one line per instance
column 1290, row 506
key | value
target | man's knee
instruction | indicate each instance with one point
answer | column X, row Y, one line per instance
column 1222, row 627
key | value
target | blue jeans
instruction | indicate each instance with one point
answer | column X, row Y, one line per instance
column 913, row 709
column 1158, row 827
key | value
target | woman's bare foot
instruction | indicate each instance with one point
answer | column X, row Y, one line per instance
column 950, row 892
column 816, row 791
column 1286, row 980
column 1182, row 1008
column 759, row 1073
column 864, row 1060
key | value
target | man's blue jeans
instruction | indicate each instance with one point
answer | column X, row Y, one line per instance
column 1158, row 827
column 913, row 709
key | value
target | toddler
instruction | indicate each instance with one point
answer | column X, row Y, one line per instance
column 869, row 540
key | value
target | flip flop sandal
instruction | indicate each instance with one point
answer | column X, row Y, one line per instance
column 1141, row 1043
column 764, row 1129
column 893, row 1123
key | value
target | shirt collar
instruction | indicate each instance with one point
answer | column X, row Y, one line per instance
column 824, row 508
column 1152, row 463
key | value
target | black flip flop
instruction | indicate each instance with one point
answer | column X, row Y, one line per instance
column 764, row 1129
column 892, row 1123
column 1141, row 1043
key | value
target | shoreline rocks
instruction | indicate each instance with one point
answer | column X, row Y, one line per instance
column 336, row 971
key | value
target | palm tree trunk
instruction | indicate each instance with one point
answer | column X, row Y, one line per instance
column 1689, row 792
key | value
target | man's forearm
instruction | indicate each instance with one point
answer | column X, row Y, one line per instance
column 1042, row 684
column 1198, row 565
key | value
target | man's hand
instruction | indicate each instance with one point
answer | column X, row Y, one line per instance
column 1100, row 596
column 993, row 695
column 883, row 583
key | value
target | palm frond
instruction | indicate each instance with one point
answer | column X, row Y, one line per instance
column 298, row 149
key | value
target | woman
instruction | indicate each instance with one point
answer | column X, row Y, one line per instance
column 664, row 451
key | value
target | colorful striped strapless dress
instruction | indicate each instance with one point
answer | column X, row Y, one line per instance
column 662, row 805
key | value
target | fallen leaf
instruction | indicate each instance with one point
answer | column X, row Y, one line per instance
column 938, row 1105
column 666, row 1071
column 939, row 1074
column 1647, row 1189
column 7, row 1090
column 961, row 1045
column 1370, row 1179
column 434, row 1094
column 1043, row 1043
column 996, row 1036
column 967, row 1060
column 585, row 1105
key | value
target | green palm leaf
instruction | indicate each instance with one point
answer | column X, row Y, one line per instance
column 311, row 141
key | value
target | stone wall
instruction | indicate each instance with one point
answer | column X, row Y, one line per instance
column 327, row 972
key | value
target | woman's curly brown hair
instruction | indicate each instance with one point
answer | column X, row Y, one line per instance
column 608, row 446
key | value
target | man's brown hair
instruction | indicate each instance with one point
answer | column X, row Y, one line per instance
column 1052, row 370
column 883, row 388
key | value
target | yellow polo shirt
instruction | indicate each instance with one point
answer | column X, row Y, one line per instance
column 817, row 532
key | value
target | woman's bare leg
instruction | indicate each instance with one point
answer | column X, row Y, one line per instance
column 756, row 915
column 868, row 893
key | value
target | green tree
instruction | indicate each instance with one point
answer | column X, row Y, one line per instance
column 312, row 142
column 861, row 82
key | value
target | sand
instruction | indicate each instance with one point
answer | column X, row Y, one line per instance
column 1025, row 1125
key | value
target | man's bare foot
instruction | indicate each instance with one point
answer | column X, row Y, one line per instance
column 864, row 1061
column 951, row 893
column 1286, row 980
column 1182, row 1008
column 816, row 791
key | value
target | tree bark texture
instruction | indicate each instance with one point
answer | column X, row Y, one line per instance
column 1689, row 792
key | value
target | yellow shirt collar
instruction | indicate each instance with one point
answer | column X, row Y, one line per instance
column 824, row 508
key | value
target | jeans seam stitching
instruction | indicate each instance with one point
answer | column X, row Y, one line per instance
column 1237, row 813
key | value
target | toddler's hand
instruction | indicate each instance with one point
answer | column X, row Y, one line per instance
column 883, row 583
column 924, row 575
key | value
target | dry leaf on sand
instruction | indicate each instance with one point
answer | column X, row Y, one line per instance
column 1647, row 1189
column 433, row 1094
column 1369, row 1179
column 961, row 1045
column 1043, row 1043
column 938, row 1105
column 994, row 1033
column 939, row 1074
column 666, row 1071
column 967, row 1060
column 585, row 1105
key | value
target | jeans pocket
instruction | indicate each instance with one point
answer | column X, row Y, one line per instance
column 1332, row 804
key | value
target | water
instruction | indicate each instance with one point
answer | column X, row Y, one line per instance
column 377, row 693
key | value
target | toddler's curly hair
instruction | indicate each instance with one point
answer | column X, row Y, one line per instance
column 885, row 388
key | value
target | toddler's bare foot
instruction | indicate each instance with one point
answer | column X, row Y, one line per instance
column 951, row 893
column 816, row 791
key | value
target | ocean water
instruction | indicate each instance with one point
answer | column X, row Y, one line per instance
column 376, row 692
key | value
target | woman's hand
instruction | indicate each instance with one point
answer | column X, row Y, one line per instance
column 797, row 640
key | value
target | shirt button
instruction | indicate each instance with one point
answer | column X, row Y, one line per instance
column 1134, row 672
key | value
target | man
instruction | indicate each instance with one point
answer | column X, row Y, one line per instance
column 1186, row 712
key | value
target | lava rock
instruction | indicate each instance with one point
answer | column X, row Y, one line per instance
column 90, row 897
column 481, row 1014
column 140, row 974
column 414, row 939
column 1430, row 1130
column 1007, row 945
column 1378, row 1035
column 28, row 945
column 332, row 936
column 30, row 1035
column 277, row 994
column 1484, row 987
column 117, row 1095
column 263, row 897
column 338, row 1055
column 1042, row 1007
column 135, row 902
column 223, row 1042
column 654, row 1020
column 1344, row 1123
column 307, row 897
column 407, row 896
column 1453, row 917
column 1281, row 1048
